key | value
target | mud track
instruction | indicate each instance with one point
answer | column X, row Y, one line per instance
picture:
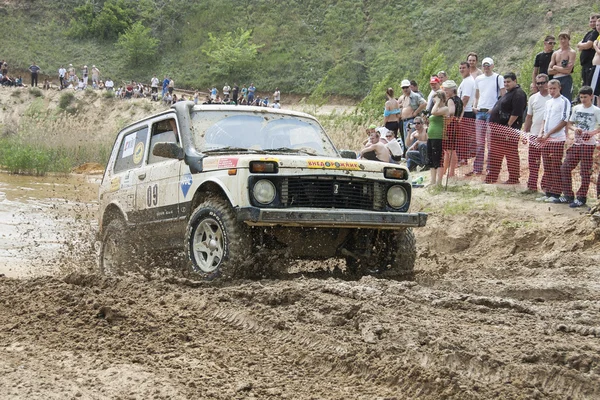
column 506, row 304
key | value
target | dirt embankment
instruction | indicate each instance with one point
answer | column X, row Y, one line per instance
column 506, row 304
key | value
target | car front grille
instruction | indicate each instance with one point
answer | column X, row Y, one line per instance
column 332, row 192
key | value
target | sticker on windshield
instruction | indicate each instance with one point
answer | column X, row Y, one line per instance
column 186, row 183
column 333, row 164
column 138, row 154
column 227, row 162
column 128, row 145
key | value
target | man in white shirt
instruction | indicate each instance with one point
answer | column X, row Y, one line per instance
column 536, row 107
column 552, row 138
column 154, row 86
column 62, row 72
column 466, row 92
column 489, row 87
column 585, row 120
column 109, row 84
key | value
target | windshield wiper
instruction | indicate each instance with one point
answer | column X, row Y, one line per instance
column 229, row 149
column 304, row 150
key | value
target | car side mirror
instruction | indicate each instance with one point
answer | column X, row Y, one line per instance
column 168, row 150
column 348, row 154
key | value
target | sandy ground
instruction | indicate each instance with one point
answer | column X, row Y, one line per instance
column 506, row 304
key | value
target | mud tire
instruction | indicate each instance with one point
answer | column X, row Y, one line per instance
column 116, row 250
column 216, row 244
column 402, row 254
column 392, row 254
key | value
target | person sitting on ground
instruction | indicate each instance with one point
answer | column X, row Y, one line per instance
column 6, row 80
column 46, row 85
column 168, row 99
column 128, row 91
column 394, row 145
column 175, row 100
column 109, row 84
column 18, row 82
column 374, row 150
column 416, row 156
column 101, row 85
column 80, row 85
column 276, row 104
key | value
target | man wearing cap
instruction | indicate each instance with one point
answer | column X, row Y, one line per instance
column 411, row 105
column 434, row 84
column 587, row 52
column 536, row 107
column 466, row 131
column 504, row 143
column 489, row 87
column 562, row 63
column 543, row 58
column 95, row 76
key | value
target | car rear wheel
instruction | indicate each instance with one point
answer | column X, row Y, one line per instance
column 216, row 244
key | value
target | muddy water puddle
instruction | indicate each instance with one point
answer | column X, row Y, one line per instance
column 47, row 223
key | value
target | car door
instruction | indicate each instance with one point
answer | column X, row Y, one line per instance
column 126, row 169
column 157, row 192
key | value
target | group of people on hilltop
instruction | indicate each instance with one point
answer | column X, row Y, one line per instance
column 5, row 79
column 458, row 122
column 244, row 96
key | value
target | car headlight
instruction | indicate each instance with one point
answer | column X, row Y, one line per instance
column 396, row 196
column 264, row 191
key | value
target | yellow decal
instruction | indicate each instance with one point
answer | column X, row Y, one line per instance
column 333, row 164
column 138, row 153
column 115, row 184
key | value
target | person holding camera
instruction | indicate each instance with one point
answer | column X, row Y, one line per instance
column 416, row 155
column 435, row 136
column 562, row 63
column 504, row 143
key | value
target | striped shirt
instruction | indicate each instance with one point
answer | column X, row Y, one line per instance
column 557, row 109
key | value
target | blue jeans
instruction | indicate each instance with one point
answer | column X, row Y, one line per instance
column 482, row 134
column 405, row 123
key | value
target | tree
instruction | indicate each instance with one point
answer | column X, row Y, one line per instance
column 137, row 45
column 231, row 54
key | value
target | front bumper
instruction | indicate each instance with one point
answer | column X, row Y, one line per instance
column 321, row 218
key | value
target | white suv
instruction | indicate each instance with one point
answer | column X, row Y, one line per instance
column 229, row 184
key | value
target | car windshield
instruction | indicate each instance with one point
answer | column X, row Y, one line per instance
column 216, row 131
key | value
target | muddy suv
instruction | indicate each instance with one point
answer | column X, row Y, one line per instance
column 238, row 188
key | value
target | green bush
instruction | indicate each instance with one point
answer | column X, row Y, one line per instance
column 65, row 100
column 35, row 92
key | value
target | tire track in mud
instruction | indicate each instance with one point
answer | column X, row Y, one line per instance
column 401, row 365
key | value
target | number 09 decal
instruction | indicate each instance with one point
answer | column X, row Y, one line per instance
column 152, row 195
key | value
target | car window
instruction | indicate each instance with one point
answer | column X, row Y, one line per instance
column 162, row 131
column 131, row 150
column 259, row 131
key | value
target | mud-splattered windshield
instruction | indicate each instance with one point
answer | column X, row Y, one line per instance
column 252, row 131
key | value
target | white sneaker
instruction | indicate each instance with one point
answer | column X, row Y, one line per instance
column 552, row 200
column 543, row 198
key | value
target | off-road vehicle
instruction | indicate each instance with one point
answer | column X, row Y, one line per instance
column 230, row 185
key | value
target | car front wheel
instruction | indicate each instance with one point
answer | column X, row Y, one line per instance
column 216, row 244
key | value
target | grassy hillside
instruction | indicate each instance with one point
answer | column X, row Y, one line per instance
column 343, row 47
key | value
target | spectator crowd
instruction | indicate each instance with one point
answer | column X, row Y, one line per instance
column 482, row 121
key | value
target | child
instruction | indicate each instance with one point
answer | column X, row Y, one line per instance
column 585, row 118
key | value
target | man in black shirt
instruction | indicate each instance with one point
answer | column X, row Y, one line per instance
column 587, row 51
column 542, row 59
column 507, row 113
